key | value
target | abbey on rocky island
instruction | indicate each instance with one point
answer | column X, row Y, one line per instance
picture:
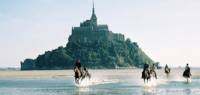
column 96, row 46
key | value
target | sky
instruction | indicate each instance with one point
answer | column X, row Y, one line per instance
column 166, row 30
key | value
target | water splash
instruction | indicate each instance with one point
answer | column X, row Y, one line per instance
column 84, row 83
column 151, row 83
column 94, row 81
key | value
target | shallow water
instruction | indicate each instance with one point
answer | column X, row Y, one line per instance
column 103, row 82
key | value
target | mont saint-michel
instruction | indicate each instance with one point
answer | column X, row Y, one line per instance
column 96, row 46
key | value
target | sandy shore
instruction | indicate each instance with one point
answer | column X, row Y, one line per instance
column 58, row 73
column 70, row 73
column 35, row 73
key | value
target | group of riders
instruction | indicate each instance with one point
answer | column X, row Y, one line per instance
column 147, row 73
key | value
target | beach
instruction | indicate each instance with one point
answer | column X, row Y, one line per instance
column 103, row 82
column 105, row 72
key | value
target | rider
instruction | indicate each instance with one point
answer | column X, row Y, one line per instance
column 153, row 70
column 77, row 70
column 145, row 72
column 166, row 69
column 166, row 66
column 78, row 65
column 187, row 67
column 146, row 66
column 153, row 67
column 187, row 71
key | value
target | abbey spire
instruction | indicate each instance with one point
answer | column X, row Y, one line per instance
column 93, row 9
column 93, row 17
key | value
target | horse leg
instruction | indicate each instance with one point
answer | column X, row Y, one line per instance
column 154, row 74
column 76, row 80
column 89, row 76
column 82, row 78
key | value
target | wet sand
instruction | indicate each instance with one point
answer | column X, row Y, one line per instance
column 103, row 82
column 70, row 73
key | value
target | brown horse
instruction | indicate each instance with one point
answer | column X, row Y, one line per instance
column 146, row 75
column 78, row 74
column 153, row 73
column 81, row 74
column 85, row 73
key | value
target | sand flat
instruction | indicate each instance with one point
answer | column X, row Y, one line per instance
column 70, row 73
column 35, row 73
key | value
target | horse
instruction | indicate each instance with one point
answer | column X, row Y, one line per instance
column 78, row 74
column 187, row 74
column 167, row 71
column 85, row 74
column 81, row 74
column 153, row 73
column 146, row 75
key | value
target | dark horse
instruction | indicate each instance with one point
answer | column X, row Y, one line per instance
column 146, row 75
column 78, row 74
column 167, row 70
column 187, row 74
column 81, row 74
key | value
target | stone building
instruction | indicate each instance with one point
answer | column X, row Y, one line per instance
column 90, row 31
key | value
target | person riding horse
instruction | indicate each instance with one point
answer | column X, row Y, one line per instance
column 77, row 70
column 167, row 69
column 146, row 73
column 78, row 64
column 79, row 73
column 152, row 71
column 187, row 74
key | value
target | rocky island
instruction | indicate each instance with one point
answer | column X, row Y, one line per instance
column 96, row 46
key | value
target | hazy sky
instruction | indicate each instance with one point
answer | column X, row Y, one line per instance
column 167, row 30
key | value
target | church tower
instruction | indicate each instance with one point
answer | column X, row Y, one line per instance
column 93, row 17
